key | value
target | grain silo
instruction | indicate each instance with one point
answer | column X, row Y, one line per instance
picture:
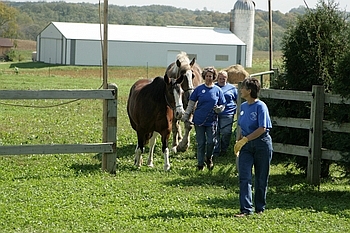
column 242, row 25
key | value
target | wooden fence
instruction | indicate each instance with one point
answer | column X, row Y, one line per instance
column 107, row 148
column 315, row 124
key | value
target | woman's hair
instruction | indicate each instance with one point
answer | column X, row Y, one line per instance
column 210, row 69
column 223, row 72
column 253, row 85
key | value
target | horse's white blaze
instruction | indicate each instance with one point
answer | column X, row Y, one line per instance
column 166, row 160
column 152, row 143
column 178, row 103
column 189, row 79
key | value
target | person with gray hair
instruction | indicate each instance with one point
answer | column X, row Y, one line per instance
column 226, row 118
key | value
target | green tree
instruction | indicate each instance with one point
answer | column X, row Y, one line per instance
column 8, row 25
column 313, row 45
column 312, row 49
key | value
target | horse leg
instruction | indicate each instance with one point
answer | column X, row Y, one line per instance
column 139, row 151
column 165, row 151
column 152, row 143
column 138, row 157
column 185, row 142
column 176, row 129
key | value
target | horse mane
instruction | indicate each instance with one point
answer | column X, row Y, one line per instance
column 183, row 58
column 156, row 89
column 173, row 69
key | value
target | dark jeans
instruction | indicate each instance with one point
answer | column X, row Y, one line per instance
column 224, row 134
column 257, row 153
column 205, row 136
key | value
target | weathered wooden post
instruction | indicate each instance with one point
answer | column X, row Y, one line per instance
column 315, row 135
column 109, row 159
column 238, row 112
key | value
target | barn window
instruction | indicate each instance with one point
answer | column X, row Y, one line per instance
column 221, row 57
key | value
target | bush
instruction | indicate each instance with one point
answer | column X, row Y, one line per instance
column 314, row 53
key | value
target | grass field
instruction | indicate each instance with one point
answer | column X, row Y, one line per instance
column 70, row 193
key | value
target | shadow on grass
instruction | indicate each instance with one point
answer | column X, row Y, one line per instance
column 285, row 192
column 183, row 214
column 127, row 151
column 85, row 168
column 32, row 65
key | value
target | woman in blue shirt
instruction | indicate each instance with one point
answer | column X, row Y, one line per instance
column 226, row 117
column 210, row 102
column 254, row 148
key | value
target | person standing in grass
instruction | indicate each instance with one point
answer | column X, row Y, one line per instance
column 254, row 148
column 210, row 102
column 226, row 117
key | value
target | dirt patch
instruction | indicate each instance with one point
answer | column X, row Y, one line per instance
column 25, row 44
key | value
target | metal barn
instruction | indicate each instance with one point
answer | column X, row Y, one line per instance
column 129, row 45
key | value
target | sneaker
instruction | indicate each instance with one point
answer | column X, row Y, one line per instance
column 241, row 215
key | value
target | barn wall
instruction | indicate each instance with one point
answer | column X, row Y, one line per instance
column 50, row 51
column 54, row 48
column 157, row 54
column 50, row 45
column 87, row 52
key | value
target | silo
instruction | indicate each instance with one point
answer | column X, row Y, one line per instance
column 242, row 25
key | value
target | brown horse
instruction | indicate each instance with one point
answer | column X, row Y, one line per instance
column 152, row 105
column 191, row 73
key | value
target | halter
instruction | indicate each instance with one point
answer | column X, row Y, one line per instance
column 168, row 103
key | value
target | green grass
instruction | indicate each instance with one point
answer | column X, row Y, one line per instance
column 70, row 193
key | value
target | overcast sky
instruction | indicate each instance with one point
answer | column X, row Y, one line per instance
column 215, row 5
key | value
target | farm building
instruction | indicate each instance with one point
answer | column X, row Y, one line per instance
column 5, row 45
column 128, row 45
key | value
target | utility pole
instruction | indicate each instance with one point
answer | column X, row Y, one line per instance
column 105, row 79
column 270, row 35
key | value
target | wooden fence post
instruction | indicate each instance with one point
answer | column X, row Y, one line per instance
column 109, row 159
column 315, row 135
column 238, row 112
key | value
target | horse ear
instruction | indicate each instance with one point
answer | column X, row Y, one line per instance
column 178, row 63
column 166, row 78
column 180, row 80
column 193, row 61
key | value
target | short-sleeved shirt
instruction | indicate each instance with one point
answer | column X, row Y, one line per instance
column 253, row 116
column 206, row 98
column 230, row 93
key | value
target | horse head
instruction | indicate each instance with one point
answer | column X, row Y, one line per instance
column 174, row 93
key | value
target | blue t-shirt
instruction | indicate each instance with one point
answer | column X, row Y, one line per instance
column 206, row 98
column 253, row 116
column 230, row 93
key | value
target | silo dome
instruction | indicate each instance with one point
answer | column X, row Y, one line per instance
column 242, row 25
column 244, row 5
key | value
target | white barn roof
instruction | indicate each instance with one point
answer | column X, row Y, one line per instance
column 169, row 34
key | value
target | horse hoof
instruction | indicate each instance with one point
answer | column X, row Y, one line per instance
column 181, row 149
column 174, row 149
column 166, row 167
column 150, row 165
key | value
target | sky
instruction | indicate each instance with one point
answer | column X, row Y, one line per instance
column 212, row 5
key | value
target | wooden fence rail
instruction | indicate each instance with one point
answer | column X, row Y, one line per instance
column 108, row 148
column 316, row 124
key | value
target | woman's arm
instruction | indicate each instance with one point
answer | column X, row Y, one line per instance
column 259, row 131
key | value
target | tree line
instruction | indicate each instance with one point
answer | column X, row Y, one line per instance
column 25, row 20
